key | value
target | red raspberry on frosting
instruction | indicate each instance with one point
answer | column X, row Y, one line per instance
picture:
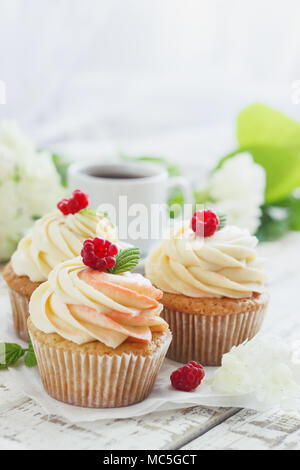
column 204, row 223
column 99, row 254
column 78, row 201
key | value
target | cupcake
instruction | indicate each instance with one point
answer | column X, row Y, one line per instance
column 55, row 238
column 213, row 284
column 96, row 330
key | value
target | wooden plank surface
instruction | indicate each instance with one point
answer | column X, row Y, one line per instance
column 25, row 423
column 252, row 430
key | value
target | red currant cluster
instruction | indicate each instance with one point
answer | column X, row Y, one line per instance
column 205, row 223
column 187, row 377
column 78, row 201
column 99, row 254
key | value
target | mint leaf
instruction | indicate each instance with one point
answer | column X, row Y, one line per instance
column 222, row 220
column 126, row 260
column 87, row 211
column 10, row 353
column 30, row 359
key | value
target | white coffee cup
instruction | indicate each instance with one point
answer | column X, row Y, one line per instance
column 133, row 195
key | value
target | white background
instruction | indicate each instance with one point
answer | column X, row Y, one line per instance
column 168, row 74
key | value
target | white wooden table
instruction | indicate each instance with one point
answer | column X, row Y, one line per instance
column 25, row 425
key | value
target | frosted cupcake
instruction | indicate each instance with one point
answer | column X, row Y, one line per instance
column 55, row 238
column 96, row 331
column 213, row 283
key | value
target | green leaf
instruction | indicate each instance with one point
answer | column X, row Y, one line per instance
column 294, row 218
column 126, row 260
column 92, row 212
column 30, row 359
column 222, row 220
column 173, row 169
column 260, row 125
column 202, row 197
column 175, row 202
column 273, row 140
column 87, row 211
column 282, row 167
column 62, row 164
column 292, row 205
column 10, row 353
column 270, row 228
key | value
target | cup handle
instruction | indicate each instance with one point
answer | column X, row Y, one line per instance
column 184, row 184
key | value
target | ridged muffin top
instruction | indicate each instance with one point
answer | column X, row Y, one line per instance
column 84, row 305
column 56, row 238
column 223, row 265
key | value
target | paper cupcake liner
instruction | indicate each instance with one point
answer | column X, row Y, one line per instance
column 20, row 313
column 96, row 381
column 205, row 338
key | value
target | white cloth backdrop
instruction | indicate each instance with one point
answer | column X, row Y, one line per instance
column 121, row 69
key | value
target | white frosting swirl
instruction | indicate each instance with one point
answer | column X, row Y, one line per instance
column 84, row 305
column 224, row 265
column 56, row 238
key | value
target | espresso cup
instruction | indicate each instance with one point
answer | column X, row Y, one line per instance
column 133, row 195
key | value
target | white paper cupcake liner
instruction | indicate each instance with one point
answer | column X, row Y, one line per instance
column 205, row 338
column 95, row 381
column 20, row 313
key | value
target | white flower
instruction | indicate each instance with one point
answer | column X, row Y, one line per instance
column 238, row 189
column 263, row 366
column 29, row 186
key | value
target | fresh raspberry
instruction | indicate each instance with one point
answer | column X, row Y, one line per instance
column 78, row 201
column 99, row 254
column 63, row 206
column 81, row 197
column 205, row 223
column 187, row 377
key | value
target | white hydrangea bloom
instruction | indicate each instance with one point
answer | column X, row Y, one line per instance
column 263, row 366
column 238, row 189
column 29, row 186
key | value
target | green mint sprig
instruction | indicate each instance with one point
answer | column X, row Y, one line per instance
column 30, row 359
column 222, row 220
column 87, row 211
column 92, row 212
column 10, row 353
column 126, row 260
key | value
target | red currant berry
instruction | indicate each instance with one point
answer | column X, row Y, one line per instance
column 204, row 223
column 188, row 377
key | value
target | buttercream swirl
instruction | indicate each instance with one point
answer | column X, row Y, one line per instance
column 56, row 238
column 223, row 265
column 84, row 305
